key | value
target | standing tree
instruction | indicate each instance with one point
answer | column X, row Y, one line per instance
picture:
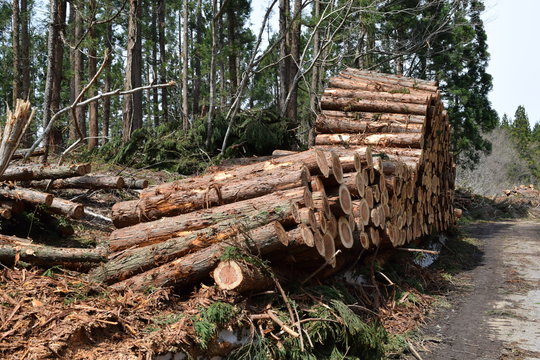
column 521, row 131
column 133, row 102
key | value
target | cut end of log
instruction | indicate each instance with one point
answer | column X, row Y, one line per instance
column 322, row 162
column 345, row 200
column 345, row 233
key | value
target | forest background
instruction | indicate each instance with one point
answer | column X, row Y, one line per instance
column 243, row 89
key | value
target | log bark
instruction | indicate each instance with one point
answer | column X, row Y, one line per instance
column 375, row 116
column 134, row 261
column 422, row 99
column 399, row 140
column 26, row 195
column 27, row 173
column 83, row 182
column 196, row 266
column 241, row 277
column 131, row 183
column 325, row 124
column 66, row 208
column 151, row 208
column 147, row 233
column 351, row 104
column 21, row 153
column 13, row 249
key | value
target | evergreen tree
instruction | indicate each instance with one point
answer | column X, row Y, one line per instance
column 521, row 131
column 506, row 121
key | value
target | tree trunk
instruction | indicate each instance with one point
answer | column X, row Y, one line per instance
column 160, row 230
column 107, row 86
column 133, row 102
column 163, row 60
column 15, row 26
column 52, row 39
column 13, row 249
column 39, row 172
column 132, row 262
column 399, row 140
column 315, row 72
column 194, row 267
column 284, row 59
column 93, row 107
column 231, row 36
column 196, row 60
column 212, row 96
column 83, row 182
column 77, row 68
column 380, row 106
column 155, row 65
column 241, row 277
column 66, row 208
column 185, row 95
column 26, row 195
column 25, row 63
column 325, row 124
column 292, row 93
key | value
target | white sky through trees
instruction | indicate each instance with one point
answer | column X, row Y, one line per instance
column 513, row 29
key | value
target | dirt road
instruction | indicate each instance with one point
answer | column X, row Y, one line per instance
column 498, row 316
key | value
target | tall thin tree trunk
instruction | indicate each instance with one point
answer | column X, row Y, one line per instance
column 212, row 98
column 185, row 110
column 231, row 36
column 133, row 103
column 284, row 56
column 24, row 52
column 51, row 79
column 155, row 92
column 107, row 86
column 92, row 68
column 16, row 54
column 163, row 60
column 313, row 99
column 77, row 66
column 196, row 58
column 292, row 106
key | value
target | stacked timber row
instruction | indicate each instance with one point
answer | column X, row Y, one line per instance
column 380, row 175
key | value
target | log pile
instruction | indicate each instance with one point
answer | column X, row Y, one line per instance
column 380, row 175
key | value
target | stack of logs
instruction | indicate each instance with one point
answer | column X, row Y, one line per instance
column 380, row 175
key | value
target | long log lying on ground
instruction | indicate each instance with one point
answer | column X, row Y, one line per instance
column 147, row 233
column 20, row 153
column 368, row 95
column 14, row 249
column 196, row 266
column 155, row 207
column 133, row 261
column 40, row 172
column 26, row 195
column 82, row 182
column 67, row 208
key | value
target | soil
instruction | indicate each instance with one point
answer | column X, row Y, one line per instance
column 496, row 312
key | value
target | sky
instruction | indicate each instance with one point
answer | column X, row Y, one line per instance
column 513, row 43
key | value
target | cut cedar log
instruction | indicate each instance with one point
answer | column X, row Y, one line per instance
column 238, row 173
column 413, row 140
column 351, row 104
column 132, row 183
column 375, row 116
column 348, row 82
column 13, row 249
column 396, row 77
column 82, row 182
column 40, row 172
column 241, row 277
column 325, row 124
column 155, row 207
column 422, row 99
column 66, row 208
column 147, row 233
column 30, row 196
column 134, row 261
column 196, row 266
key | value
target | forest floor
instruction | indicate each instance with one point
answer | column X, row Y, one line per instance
column 493, row 311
